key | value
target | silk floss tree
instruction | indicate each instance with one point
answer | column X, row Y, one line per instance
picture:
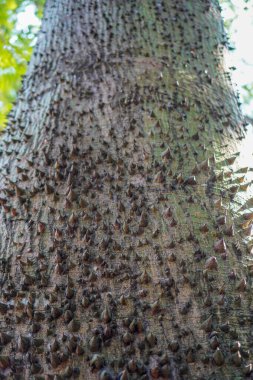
column 125, row 207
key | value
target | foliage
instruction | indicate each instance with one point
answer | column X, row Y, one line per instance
column 15, row 49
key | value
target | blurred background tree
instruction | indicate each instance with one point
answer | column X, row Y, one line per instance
column 20, row 21
column 238, row 17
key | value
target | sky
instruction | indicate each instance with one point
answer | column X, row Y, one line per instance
column 241, row 33
column 27, row 17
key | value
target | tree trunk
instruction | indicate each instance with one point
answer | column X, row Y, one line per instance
column 123, row 251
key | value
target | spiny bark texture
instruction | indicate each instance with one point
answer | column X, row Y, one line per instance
column 121, row 250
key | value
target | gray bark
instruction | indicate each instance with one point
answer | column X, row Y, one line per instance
column 122, row 255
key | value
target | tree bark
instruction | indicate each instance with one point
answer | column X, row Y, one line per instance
column 123, row 249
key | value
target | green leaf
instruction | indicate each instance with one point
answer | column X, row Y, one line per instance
column 15, row 49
